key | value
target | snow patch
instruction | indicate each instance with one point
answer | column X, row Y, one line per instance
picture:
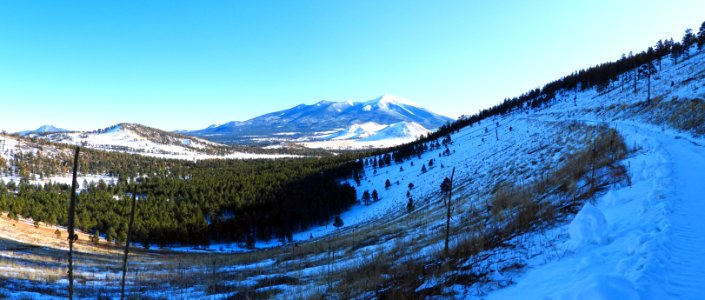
column 588, row 227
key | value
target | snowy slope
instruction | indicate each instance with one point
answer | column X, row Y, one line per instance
column 143, row 140
column 11, row 145
column 368, row 135
column 655, row 228
column 652, row 237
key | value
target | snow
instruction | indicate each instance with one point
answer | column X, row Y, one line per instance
column 385, row 100
column 401, row 130
column 361, row 135
column 588, row 227
column 358, row 131
column 604, row 287
column 124, row 139
column 643, row 241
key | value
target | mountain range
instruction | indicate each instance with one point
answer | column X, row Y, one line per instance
column 144, row 140
column 385, row 118
column 385, row 121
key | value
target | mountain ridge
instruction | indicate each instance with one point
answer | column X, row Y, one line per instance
column 43, row 129
column 144, row 140
column 323, row 120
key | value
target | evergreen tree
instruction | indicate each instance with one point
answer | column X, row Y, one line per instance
column 95, row 237
column 366, row 197
column 447, row 189
column 387, row 184
column 676, row 51
column 375, row 196
column 688, row 40
column 338, row 222
column 701, row 36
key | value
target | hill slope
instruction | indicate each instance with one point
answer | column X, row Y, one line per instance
column 140, row 139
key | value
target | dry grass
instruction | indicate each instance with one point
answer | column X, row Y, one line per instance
column 514, row 210
column 24, row 231
column 681, row 114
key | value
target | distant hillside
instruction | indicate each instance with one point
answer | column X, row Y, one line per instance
column 43, row 129
column 140, row 139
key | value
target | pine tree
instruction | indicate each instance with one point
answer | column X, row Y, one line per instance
column 387, row 184
column 366, row 197
column 701, row 36
column 338, row 222
column 447, row 189
column 375, row 196
column 688, row 40
column 95, row 238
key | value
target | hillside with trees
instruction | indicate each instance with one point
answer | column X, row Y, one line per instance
column 184, row 202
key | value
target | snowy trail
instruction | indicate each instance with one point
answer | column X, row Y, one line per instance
column 686, row 269
column 656, row 229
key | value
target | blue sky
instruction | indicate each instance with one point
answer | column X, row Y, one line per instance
column 86, row 65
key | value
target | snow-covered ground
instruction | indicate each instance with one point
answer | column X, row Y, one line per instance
column 137, row 139
column 369, row 135
column 643, row 241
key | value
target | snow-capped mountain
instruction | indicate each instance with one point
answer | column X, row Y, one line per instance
column 43, row 129
column 383, row 118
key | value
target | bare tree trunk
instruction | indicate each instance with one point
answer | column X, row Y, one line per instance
column 648, row 93
column 127, row 245
column 635, row 79
column 448, row 210
column 72, row 220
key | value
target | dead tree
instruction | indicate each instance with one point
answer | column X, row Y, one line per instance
column 645, row 71
column 72, row 220
column 447, row 188
column 127, row 244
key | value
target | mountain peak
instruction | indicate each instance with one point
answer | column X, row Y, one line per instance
column 49, row 128
column 43, row 129
column 387, row 99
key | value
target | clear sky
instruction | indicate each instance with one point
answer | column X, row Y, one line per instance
column 85, row 65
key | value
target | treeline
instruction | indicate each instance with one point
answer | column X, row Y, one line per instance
column 190, row 202
column 600, row 77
